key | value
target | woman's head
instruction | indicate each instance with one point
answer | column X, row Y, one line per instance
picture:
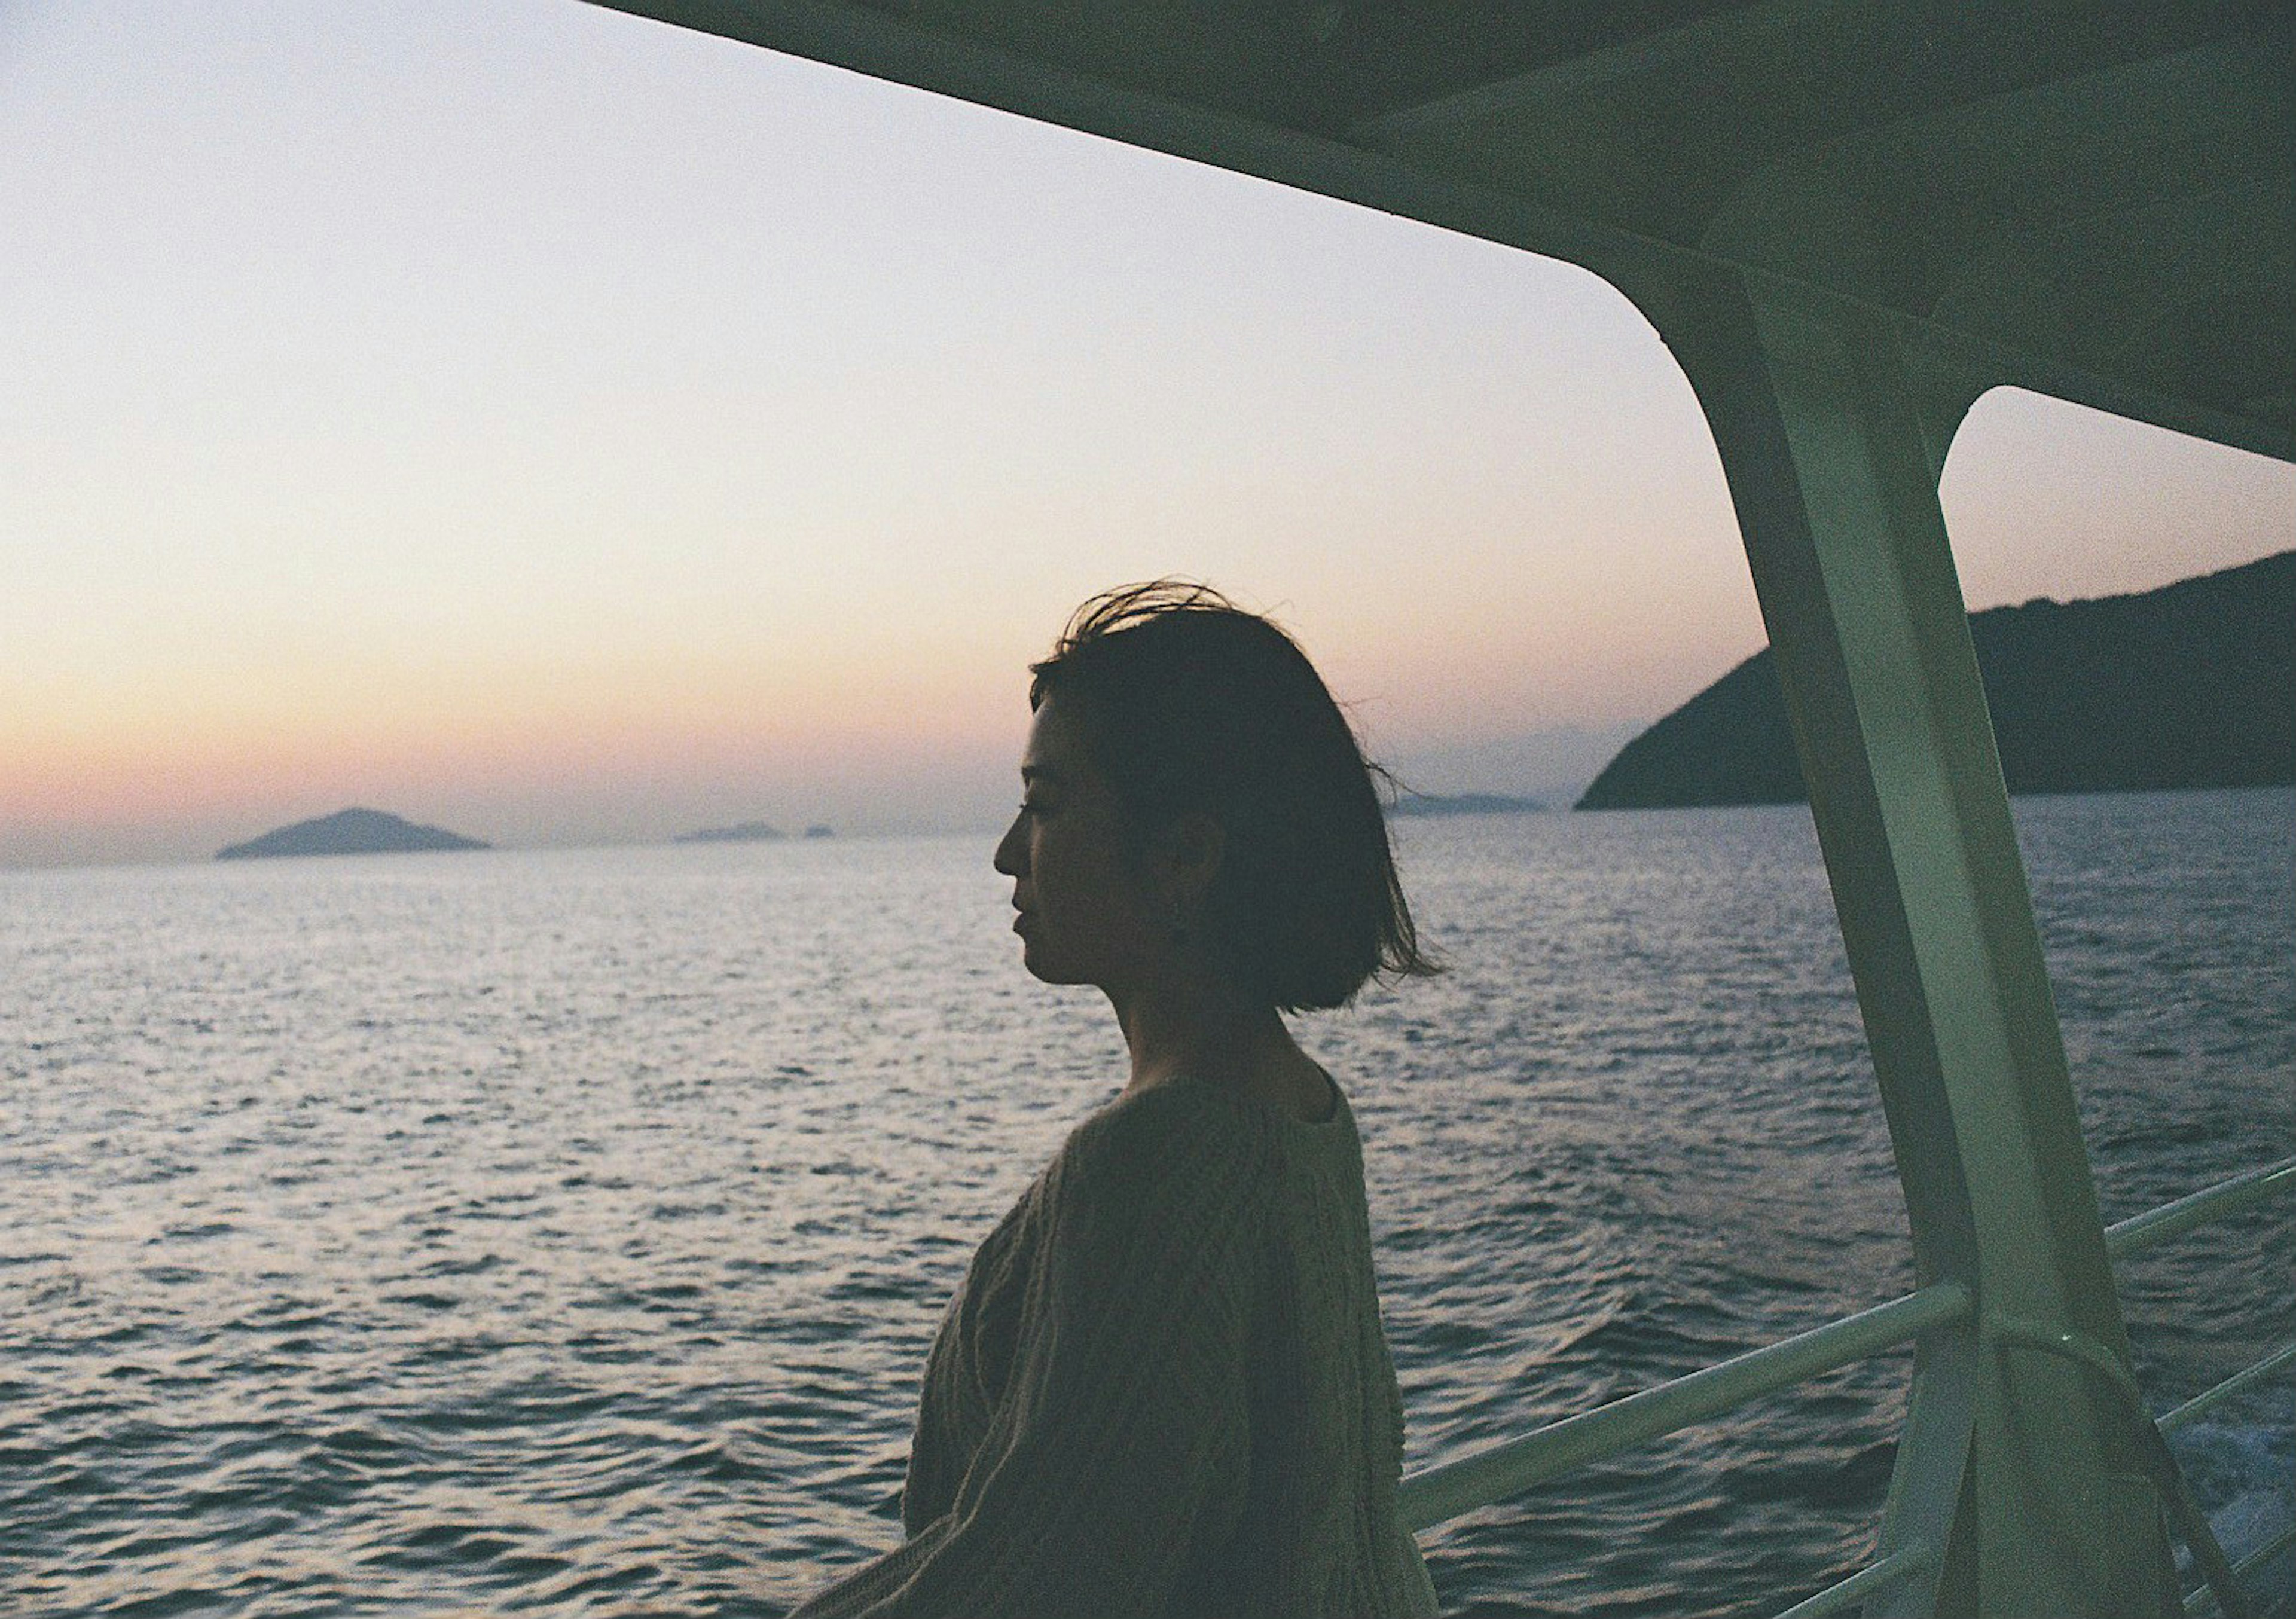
column 1207, row 724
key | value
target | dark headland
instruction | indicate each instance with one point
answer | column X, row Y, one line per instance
column 748, row 831
column 351, row 831
column 2190, row 686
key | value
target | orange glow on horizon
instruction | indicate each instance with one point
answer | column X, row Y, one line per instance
column 176, row 755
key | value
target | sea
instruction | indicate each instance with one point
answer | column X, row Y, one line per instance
column 562, row 1232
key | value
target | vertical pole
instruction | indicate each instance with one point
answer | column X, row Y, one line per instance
column 1835, row 489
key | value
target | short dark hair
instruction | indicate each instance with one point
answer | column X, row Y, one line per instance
column 1188, row 704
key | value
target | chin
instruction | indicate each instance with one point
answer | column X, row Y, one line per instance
column 1046, row 965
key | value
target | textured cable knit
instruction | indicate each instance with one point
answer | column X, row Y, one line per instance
column 1162, row 1390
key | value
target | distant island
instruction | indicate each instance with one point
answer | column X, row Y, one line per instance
column 2190, row 686
column 351, row 831
column 819, row 832
column 1464, row 803
column 748, row 831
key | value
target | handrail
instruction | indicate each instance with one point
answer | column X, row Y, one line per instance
column 2138, row 1232
column 2279, row 1542
column 2238, row 1383
column 2177, row 1498
column 1900, row 1564
column 1434, row 1495
column 2203, row 1598
column 1512, row 1466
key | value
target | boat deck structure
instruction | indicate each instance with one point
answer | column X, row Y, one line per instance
column 1847, row 219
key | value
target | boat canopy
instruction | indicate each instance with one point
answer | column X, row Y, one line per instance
column 2095, row 201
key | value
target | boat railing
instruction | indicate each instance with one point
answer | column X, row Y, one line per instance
column 1510, row 1467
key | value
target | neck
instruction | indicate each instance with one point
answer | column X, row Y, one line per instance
column 1196, row 1024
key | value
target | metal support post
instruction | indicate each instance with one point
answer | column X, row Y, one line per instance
column 1833, row 468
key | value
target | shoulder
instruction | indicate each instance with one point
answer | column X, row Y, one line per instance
column 1169, row 1128
column 1176, row 1143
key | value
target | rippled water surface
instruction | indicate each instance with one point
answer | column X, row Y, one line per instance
column 562, row 1232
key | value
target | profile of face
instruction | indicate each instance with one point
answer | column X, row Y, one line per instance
column 1087, row 914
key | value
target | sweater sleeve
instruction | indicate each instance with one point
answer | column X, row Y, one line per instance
column 1121, row 1444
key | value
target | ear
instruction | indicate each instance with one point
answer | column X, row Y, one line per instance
column 1189, row 854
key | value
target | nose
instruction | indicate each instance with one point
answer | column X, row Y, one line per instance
column 1012, row 850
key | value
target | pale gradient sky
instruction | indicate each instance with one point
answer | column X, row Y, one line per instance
column 568, row 428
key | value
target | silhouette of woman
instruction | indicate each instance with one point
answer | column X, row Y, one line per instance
column 1162, row 1389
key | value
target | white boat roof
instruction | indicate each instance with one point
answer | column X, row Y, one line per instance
column 2095, row 201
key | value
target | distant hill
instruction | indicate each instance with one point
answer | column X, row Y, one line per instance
column 351, row 831
column 2190, row 686
column 748, row 831
column 1464, row 803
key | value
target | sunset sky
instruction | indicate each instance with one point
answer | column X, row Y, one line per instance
column 566, row 429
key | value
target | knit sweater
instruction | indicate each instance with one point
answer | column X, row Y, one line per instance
column 1161, row 1391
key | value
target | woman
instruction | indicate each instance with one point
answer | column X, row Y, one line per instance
column 1162, row 1389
